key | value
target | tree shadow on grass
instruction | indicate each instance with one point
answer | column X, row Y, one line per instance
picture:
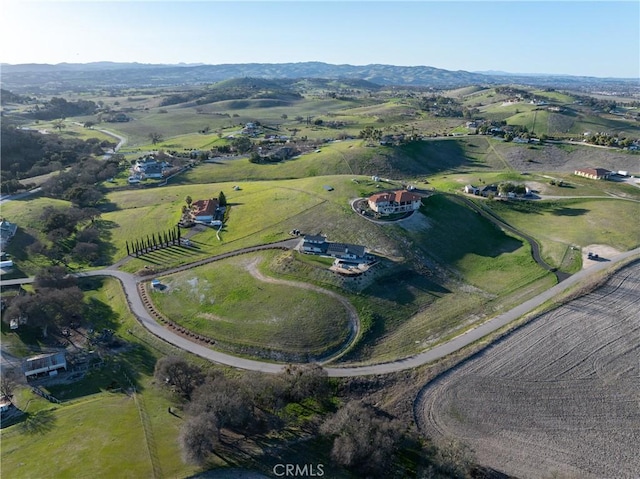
column 38, row 422
column 564, row 211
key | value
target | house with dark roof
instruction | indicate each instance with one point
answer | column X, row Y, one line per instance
column 316, row 244
column 593, row 173
column 489, row 190
column 345, row 251
column 394, row 202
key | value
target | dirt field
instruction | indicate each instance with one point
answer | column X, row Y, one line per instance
column 559, row 397
column 555, row 158
column 603, row 251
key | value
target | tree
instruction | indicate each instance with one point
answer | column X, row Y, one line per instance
column 222, row 199
column 284, row 116
column 255, row 158
column 198, row 438
column 155, row 137
column 59, row 124
column 8, row 383
column 241, row 144
column 86, row 252
column 178, row 373
column 188, row 200
column 54, row 277
column 371, row 134
column 305, row 381
column 363, row 439
column 230, row 404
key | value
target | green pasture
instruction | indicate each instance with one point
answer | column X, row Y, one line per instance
column 177, row 121
column 558, row 224
column 354, row 157
column 73, row 130
column 224, row 301
column 455, row 183
column 502, row 111
column 110, row 429
column 113, row 440
column 260, row 212
column 554, row 96
column 190, row 141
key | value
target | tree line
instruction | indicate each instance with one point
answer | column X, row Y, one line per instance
column 28, row 153
column 164, row 239
column 361, row 438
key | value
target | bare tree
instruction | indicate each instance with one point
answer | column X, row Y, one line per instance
column 225, row 399
column 198, row 438
column 179, row 374
column 307, row 380
column 59, row 124
column 155, row 137
column 8, row 383
column 363, row 439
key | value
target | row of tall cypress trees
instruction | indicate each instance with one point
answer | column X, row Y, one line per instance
column 155, row 241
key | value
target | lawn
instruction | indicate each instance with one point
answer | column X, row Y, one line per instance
column 224, row 301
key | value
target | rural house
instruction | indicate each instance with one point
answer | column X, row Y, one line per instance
column 203, row 211
column 316, row 244
column 149, row 167
column 394, row 202
column 593, row 173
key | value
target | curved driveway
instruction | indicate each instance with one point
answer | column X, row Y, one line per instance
column 129, row 283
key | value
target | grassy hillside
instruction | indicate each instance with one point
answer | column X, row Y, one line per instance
column 558, row 224
column 225, row 301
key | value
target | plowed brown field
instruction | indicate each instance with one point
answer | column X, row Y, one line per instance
column 559, row 397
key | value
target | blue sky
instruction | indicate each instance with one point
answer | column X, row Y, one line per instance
column 594, row 38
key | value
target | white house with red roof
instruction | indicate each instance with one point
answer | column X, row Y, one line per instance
column 204, row 210
column 394, row 202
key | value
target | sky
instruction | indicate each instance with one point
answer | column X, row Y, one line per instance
column 590, row 38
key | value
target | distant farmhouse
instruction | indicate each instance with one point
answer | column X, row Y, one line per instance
column 316, row 244
column 394, row 202
column 593, row 173
column 149, row 167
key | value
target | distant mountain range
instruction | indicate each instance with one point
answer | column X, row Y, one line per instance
column 82, row 76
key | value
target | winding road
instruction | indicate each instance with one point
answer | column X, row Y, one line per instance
column 130, row 282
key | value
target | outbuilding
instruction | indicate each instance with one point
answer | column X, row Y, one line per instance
column 44, row 363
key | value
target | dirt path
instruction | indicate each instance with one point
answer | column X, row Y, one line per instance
column 352, row 313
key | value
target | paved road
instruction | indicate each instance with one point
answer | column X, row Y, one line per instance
column 129, row 283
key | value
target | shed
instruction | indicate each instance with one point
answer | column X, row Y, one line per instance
column 44, row 363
